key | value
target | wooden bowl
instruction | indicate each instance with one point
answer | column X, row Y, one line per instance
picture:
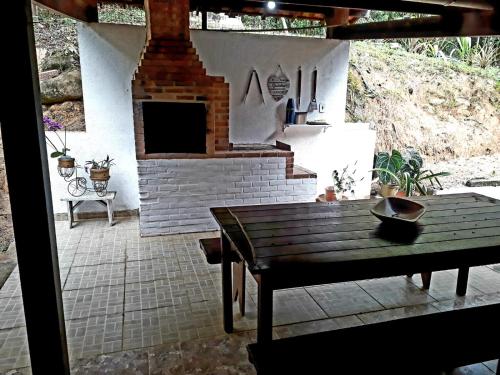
column 398, row 210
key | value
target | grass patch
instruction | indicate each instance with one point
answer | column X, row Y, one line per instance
column 402, row 60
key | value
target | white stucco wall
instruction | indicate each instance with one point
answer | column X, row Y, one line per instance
column 108, row 58
column 109, row 54
column 234, row 55
column 181, row 203
column 335, row 148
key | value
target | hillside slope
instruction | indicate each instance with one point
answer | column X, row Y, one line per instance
column 444, row 108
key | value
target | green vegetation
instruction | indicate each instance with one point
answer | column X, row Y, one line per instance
column 405, row 169
column 113, row 13
column 401, row 59
column 56, row 35
column 482, row 52
column 266, row 23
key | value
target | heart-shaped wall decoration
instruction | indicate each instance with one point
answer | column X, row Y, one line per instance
column 278, row 85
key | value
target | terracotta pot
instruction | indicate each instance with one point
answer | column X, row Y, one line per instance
column 401, row 194
column 330, row 194
column 66, row 162
column 388, row 190
column 99, row 174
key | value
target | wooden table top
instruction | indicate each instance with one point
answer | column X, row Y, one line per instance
column 345, row 240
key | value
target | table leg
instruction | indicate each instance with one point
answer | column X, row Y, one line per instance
column 264, row 310
column 227, row 288
column 70, row 214
column 426, row 279
column 463, row 277
column 242, row 287
column 109, row 204
column 239, row 285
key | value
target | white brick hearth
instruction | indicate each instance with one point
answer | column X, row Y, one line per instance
column 176, row 194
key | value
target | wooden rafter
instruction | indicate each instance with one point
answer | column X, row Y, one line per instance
column 459, row 24
column 325, row 6
column 82, row 10
column 255, row 8
column 395, row 5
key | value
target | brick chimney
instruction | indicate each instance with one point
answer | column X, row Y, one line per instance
column 170, row 71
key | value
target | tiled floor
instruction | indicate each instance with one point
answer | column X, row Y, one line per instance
column 153, row 305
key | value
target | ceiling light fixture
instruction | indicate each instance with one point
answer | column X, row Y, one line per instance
column 271, row 5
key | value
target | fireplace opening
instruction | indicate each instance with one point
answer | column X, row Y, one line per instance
column 174, row 127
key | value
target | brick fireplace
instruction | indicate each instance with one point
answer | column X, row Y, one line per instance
column 170, row 71
column 181, row 120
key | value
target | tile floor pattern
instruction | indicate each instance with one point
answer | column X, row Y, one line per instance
column 153, row 305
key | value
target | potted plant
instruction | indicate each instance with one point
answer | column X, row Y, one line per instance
column 65, row 163
column 411, row 178
column 99, row 170
column 330, row 194
column 387, row 167
column 343, row 183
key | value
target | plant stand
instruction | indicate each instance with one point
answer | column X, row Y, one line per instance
column 78, row 186
column 74, row 202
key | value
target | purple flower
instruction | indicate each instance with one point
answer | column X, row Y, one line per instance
column 54, row 126
column 51, row 124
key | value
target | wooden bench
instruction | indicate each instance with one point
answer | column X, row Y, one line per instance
column 74, row 202
column 417, row 345
column 212, row 250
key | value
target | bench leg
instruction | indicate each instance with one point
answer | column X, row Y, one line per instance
column 426, row 279
column 463, row 277
column 239, row 285
column 70, row 214
column 227, row 298
column 109, row 204
column 498, row 368
column 265, row 310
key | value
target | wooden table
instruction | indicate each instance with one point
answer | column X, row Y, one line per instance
column 293, row 245
column 74, row 202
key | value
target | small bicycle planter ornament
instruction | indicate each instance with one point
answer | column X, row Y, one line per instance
column 98, row 174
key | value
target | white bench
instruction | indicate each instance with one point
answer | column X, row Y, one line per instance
column 74, row 202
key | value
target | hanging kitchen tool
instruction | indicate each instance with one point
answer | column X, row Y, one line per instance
column 299, row 87
column 313, row 105
column 252, row 73
column 278, row 84
column 290, row 111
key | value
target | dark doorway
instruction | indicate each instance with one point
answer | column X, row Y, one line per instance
column 174, row 127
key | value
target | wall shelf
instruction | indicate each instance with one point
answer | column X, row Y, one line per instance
column 306, row 126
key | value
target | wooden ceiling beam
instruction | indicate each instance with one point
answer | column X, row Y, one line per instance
column 470, row 4
column 325, row 6
column 458, row 24
column 82, row 10
column 411, row 6
column 255, row 7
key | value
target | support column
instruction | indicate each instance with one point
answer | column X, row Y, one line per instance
column 30, row 197
column 204, row 20
column 340, row 16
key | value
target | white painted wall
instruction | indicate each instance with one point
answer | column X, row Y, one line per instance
column 233, row 55
column 176, row 194
column 109, row 54
column 108, row 58
column 337, row 147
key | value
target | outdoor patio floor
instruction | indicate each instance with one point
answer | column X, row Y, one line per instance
column 153, row 305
